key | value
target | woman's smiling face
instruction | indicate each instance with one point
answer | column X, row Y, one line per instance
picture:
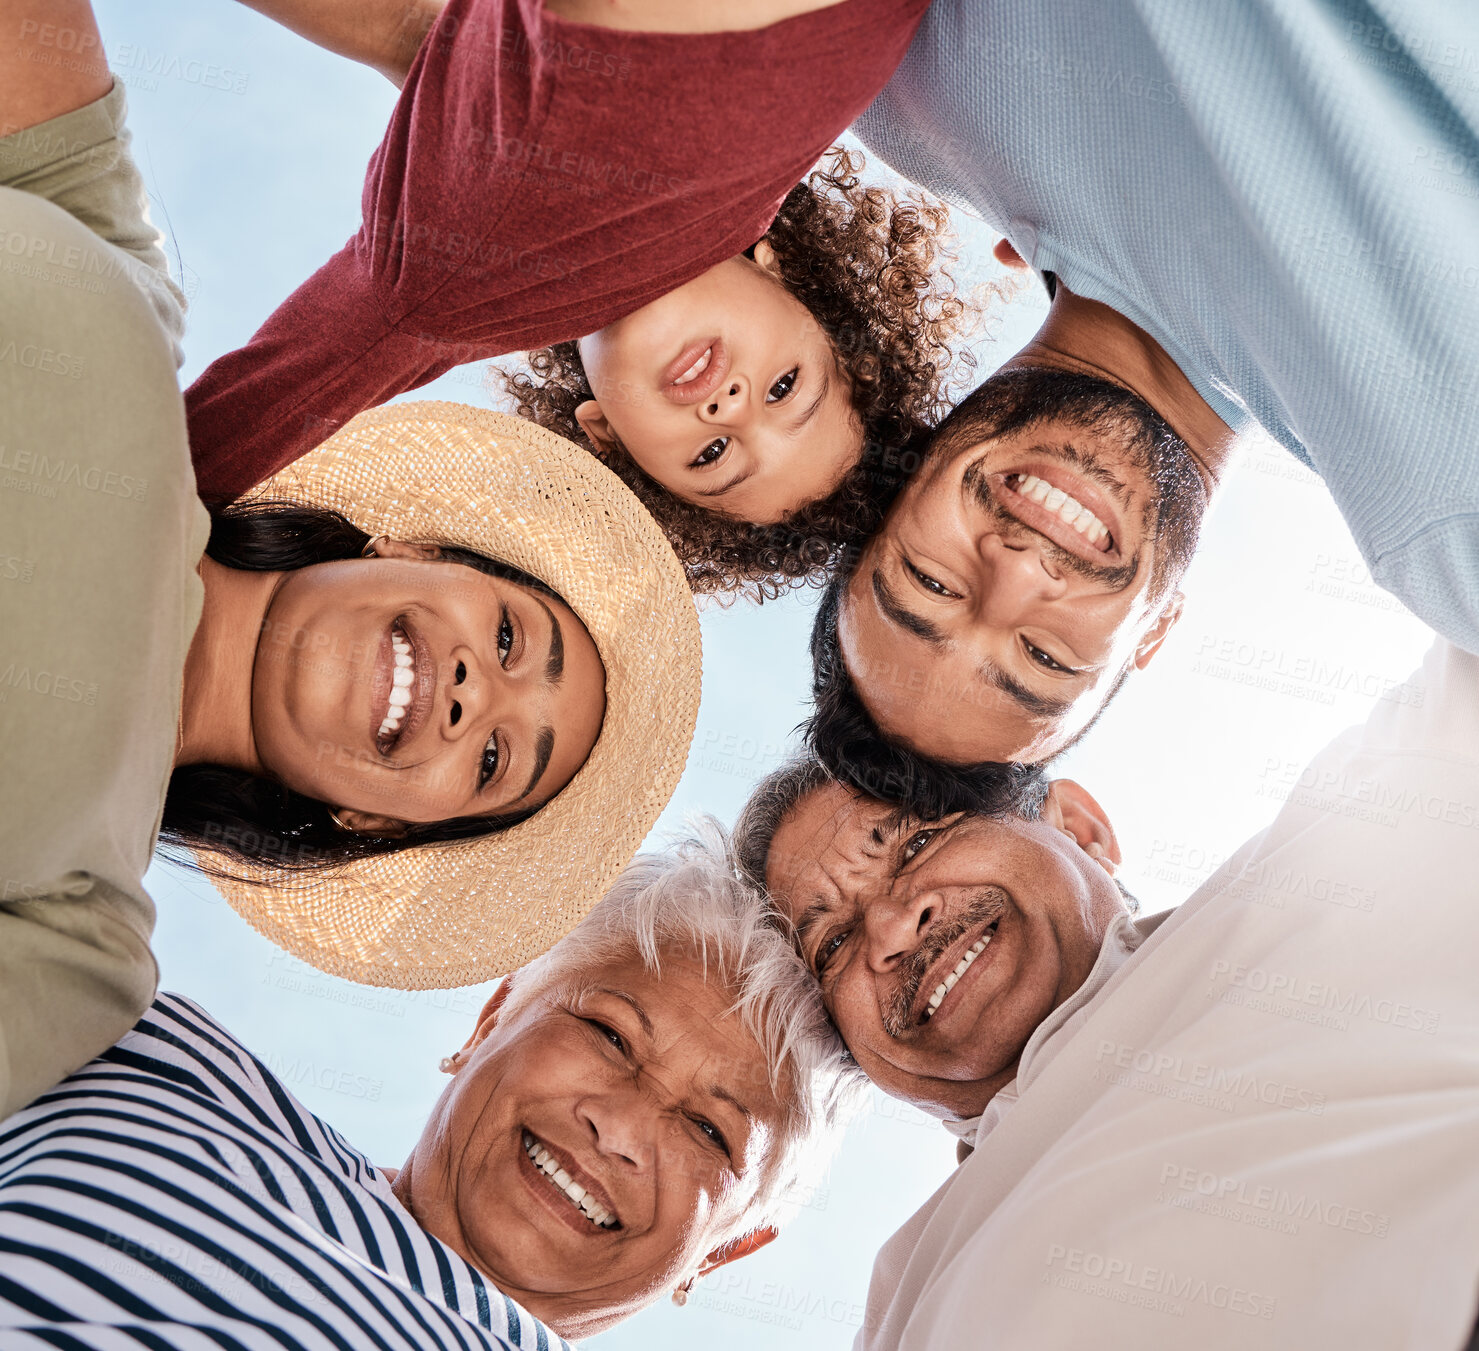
column 727, row 392
column 406, row 689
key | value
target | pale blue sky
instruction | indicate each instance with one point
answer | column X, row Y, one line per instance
column 1284, row 642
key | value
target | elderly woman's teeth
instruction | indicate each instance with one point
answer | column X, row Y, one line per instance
column 961, row 967
column 401, row 679
column 1061, row 505
column 592, row 1209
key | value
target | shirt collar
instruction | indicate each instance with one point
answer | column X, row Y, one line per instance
column 1123, row 936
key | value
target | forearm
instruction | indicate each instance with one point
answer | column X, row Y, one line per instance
column 382, row 34
column 51, row 61
column 683, row 16
column 323, row 356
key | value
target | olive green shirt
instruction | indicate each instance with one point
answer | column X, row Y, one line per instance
column 100, row 535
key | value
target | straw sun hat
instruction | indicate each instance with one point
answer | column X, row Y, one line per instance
column 455, row 914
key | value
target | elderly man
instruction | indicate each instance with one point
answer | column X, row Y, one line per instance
column 1248, row 1122
column 609, row 1134
column 1244, row 219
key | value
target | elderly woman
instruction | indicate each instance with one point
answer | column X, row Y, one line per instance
column 630, row 1112
column 366, row 701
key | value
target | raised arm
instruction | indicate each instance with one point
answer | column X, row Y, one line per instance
column 51, row 61
column 382, row 34
column 535, row 185
column 683, row 16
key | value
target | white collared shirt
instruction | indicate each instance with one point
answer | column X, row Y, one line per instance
column 1263, row 1129
column 1122, row 937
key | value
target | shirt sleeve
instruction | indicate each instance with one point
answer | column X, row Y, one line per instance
column 81, row 163
column 539, row 180
column 1436, row 576
column 100, row 535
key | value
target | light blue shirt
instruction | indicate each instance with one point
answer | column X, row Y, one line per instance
column 1285, row 195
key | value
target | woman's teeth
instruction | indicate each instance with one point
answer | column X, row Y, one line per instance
column 401, row 680
column 961, row 967
column 1061, row 505
column 596, row 1213
column 697, row 369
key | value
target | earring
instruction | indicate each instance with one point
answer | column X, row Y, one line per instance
column 334, row 817
column 681, row 1292
column 449, row 1063
column 369, row 550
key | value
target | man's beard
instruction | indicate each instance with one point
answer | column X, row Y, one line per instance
column 1171, row 515
column 990, row 903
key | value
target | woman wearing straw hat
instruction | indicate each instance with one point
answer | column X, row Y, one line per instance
column 414, row 715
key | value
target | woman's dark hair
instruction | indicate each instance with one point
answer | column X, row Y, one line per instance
column 873, row 269
column 855, row 751
column 256, row 820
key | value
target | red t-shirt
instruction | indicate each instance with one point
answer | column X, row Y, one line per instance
column 539, row 180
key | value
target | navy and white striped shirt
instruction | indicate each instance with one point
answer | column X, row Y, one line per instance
column 173, row 1194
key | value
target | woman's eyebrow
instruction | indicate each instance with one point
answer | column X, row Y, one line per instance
column 722, row 1094
column 554, row 664
column 635, row 1006
column 544, row 747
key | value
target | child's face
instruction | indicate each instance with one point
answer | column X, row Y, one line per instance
column 727, row 392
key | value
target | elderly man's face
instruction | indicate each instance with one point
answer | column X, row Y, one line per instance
column 940, row 946
column 649, row 1103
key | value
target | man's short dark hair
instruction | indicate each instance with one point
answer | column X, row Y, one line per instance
column 841, row 734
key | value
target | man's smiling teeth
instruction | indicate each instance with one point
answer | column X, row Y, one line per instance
column 592, row 1209
column 961, row 967
column 1061, row 505
column 697, row 369
column 401, row 680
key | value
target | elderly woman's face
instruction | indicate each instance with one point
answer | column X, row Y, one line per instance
column 407, row 689
column 593, row 1149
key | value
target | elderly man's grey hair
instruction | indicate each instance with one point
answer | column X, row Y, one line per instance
column 689, row 901
column 775, row 797
column 780, row 792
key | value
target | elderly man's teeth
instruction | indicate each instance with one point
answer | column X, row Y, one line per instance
column 401, row 680
column 961, row 967
column 1064, row 507
column 697, row 369
column 592, row 1209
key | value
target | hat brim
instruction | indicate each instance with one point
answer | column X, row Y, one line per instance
column 442, row 915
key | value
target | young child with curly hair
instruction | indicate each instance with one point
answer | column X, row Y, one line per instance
column 554, row 173
column 762, row 412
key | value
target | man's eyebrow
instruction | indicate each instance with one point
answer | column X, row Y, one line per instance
column 554, row 664
column 897, row 615
column 1036, row 704
column 889, row 827
column 803, row 926
column 723, row 488
column 544, row 746
column 628, row 999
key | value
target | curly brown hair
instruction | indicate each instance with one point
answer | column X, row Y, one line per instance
column 873, row 267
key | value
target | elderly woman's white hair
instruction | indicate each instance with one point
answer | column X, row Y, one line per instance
column 690, row 899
